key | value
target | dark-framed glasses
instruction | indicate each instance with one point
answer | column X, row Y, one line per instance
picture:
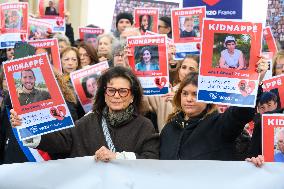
column 123, row 92
column 279, row 66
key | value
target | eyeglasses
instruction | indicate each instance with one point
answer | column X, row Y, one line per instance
column 279, row 66
column 123, row 92
column 84, row 55
column 119, row 54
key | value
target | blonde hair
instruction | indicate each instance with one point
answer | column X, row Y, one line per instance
column 279, row 55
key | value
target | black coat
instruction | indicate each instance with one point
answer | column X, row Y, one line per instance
column 210, row 137
column 136, row 135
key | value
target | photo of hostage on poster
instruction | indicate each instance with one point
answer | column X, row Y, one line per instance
column 187, row 30
column 148, row 59
column 233, row 49
column 84, row 82
column 273, row 137
column 36, row 96
column 50, row 47
column 14, row 18
column 38, row 29
column 52, row 11
column 89, row 35
column 146, row 19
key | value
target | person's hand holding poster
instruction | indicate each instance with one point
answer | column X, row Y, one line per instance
column 85, row 83
column 50, row 47
column 89, row 35
column 273, row 137
column 230, row 51
column 146, row 19
column 276, row 86
column 148, row 59
column 187, row 30
column 36, row 96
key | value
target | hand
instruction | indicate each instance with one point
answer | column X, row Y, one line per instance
column 257, row 161
column 104, row 154
column 101, row 59
column 262, row 67
column 127, row 51
column 15, row 119
column 169, row 96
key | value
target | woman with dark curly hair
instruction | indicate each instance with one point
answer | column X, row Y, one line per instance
column 115, row 129
column 90, row 86
column 145, row 23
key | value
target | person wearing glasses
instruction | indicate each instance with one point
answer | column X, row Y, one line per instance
column 165, row 26
column 88, row 54
column 115, row 129
column 278, row 63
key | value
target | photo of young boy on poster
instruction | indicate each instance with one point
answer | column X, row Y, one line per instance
column 50, row 47
column 231, row 51
column 276, row 86
column 85, row 83
column 14, row 18
column 52, row 11
column 38, row 29
column 36, row 96
column 273, row 137
column 146, row 19
column 90, row 35
column 148, row 59
column 232, row 48
column 187, row 30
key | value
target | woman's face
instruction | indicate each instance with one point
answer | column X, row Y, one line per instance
column 116, row 102
column 10, row 53
column 62, row 45
column 84, row 57
column 69, row 62
column 104, row 46
column 189, row 106
column 279, row 69
column 187, row 66
column 145, row 22
column 146, row 56
column 91, row 86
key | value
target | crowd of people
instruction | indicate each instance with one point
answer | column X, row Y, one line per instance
column 125, row 124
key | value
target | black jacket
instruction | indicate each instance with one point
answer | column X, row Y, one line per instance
column 210, row 137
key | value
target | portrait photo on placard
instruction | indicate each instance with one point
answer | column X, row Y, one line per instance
column 189, row 26
column 278, row 144
column 231, row 51
column 51, row 7
column 89, row 85
column 145, row 23
column 13, row 19
column 31, row 86
column 146, row 58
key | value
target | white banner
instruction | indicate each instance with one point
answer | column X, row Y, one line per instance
column 85, row 173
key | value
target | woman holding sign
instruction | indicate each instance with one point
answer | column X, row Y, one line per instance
column 196, row 131
column 113, row 130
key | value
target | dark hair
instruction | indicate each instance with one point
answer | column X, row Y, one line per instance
column 116, row 72
column 266, row 97
column 168, row 24
column 91, row 51
column 84, row 85
column 146, row 48
column 29, row 70
column 149, row 22
column 190, row 79
column 124, row 15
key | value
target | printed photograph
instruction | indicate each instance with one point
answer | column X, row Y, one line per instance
column 51, row 8
column 231, row 51
column 189, row 26
column 278, row 144
column 13, row 19
column 89, row 85
column 31, row 86
column 146, row 58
